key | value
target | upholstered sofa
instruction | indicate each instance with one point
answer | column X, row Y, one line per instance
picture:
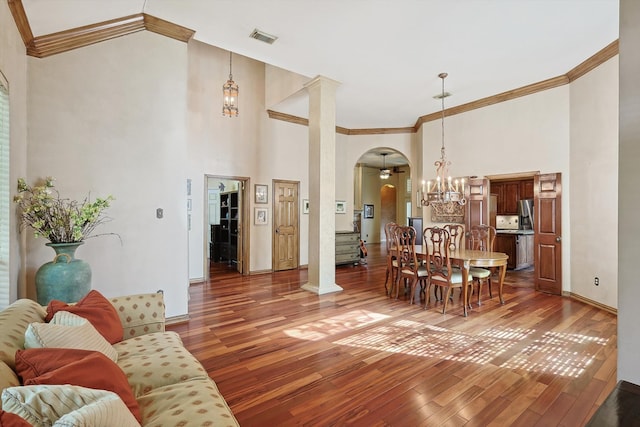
column 62, row 373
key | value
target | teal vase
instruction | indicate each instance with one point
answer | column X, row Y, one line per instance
column 65, row 278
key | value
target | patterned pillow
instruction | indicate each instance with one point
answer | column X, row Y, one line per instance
column 8, row 378
column 67, row 330
column 96, row 309
column 67, row 405
column 13, row 322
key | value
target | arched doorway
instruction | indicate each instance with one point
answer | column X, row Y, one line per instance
column 388, row 206
column 382, row 192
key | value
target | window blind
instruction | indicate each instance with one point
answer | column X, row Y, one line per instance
column 5, row 195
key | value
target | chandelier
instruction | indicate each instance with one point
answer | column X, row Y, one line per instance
column 230, row 95
column 443, row 189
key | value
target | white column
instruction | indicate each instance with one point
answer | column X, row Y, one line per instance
column 322, row 188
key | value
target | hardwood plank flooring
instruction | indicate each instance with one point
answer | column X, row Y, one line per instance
column 282, row 356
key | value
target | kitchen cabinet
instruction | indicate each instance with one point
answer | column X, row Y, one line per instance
column 524, row 251
column 508, row 193
column 526, row 189
column 519, row 248
column 506, row 243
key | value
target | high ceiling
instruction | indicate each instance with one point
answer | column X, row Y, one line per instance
column 386, row 54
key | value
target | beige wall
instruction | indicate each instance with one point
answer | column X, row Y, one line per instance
column 13, row 64
column 111, row 119
column 594, row 189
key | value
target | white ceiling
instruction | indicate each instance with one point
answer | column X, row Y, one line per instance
column 386, row 54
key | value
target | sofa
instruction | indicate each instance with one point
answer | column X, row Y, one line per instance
column 69, row 369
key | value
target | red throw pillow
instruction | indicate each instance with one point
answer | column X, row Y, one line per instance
column 97, row 310
column 7, row 419
column 84, row 368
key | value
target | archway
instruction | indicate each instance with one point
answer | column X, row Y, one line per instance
column 382, row 192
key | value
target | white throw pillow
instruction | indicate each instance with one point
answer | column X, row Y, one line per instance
column 67, row 406
column 68, row 330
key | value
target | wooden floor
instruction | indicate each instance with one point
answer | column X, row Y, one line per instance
column 282, row 356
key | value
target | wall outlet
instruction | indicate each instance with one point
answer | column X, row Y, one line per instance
column 596, row 281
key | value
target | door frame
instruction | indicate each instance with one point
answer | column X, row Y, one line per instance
column 245, row 199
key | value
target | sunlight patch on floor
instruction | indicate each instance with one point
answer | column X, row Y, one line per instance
column 558, row 353
column 324, row 328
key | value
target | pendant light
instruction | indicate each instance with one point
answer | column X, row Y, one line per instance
column 230, row 95
column 443, row 189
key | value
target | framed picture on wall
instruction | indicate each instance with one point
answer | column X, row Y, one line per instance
column 262, row 193
column 368, row 211
column 261, row 216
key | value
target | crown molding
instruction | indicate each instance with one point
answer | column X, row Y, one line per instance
column 74, row 38
column 608, row 52
column 22, row 23
column 344, row 131
column 495, row 99
column 167, row 29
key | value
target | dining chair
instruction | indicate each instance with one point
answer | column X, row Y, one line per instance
column 392, row 262
column 456, row 235
column 482, row 238
column 409, row 269
column 441, row 273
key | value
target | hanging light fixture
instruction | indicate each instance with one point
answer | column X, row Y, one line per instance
column 230, row 95
column 443, row 189
column 384, row 172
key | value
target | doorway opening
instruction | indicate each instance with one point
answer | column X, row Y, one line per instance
column 382, row 192
column 226, row 226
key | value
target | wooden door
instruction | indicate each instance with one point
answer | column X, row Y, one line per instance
column 286, row 234
column 477, row 209
column 548, row 233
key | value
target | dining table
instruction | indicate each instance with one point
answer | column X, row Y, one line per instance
column 467, row 258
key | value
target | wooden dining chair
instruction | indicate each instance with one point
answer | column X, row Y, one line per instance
column 441, row 273
column 456, row 235
column 482, row 238
column 392, row 261
column 410, row 270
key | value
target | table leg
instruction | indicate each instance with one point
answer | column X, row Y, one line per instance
column 502, row 272
column 465, row 285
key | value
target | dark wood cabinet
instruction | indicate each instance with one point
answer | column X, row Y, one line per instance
column 506, row 243
column 526, row 189
column 508, row 193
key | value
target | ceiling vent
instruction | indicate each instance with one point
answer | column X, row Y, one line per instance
column 262, row 36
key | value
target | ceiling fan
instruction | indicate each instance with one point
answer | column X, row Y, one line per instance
column 384, row 172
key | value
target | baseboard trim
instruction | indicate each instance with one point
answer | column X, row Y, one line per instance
column 269, row 271
column 174, row 320
column 257, row 272
column 593, row 303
